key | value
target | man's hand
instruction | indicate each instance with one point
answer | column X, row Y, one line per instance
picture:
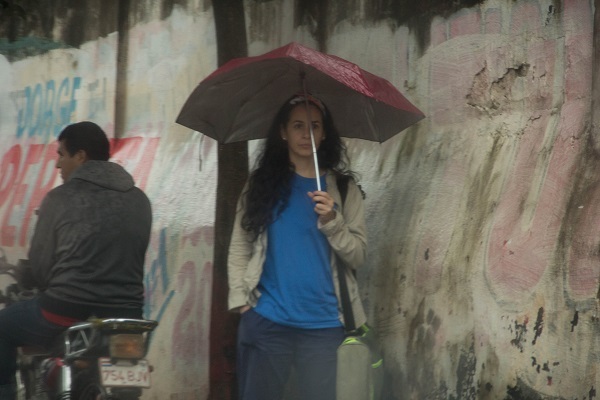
column 4, row 264
column 25, row 275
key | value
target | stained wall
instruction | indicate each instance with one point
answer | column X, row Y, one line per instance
column 43, row 92
column 483, row 272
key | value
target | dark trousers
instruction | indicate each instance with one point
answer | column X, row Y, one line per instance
column 21, row 324
column 266, row 353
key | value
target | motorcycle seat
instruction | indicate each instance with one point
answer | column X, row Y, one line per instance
column 34, row 351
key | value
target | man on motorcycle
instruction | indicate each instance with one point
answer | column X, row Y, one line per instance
column 87, row 252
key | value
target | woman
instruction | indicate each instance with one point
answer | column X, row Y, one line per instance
column 282, row 257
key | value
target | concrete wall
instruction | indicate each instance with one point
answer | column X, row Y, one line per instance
column 175, row 166
column 492, row 287
column 483, row 272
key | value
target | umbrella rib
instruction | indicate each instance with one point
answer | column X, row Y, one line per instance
column 237, row 101
column 258, row 95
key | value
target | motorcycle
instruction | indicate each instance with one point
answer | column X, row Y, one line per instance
column 99, row 359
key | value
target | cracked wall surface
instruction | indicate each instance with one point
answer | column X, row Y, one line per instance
column 483, row 274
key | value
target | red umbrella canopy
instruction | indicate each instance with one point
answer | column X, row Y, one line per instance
column 239, row 100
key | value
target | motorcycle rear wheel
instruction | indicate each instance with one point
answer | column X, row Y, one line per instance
column 94, row 391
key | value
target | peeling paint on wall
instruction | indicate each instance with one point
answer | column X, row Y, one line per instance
column 53, row 87
column 482, row 278
column 480, row 202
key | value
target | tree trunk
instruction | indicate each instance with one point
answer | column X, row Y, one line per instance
column 232, row 174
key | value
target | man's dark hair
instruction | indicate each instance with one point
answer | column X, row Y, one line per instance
column 86, row 136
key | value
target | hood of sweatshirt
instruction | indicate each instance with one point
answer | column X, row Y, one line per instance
column 105, row 174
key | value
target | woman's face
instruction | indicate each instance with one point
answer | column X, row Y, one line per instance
column 296, row 131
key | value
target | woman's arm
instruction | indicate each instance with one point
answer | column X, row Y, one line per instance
column 240, row 251
column 346, row 232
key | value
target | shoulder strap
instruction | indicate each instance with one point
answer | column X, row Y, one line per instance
column 342, row 184
column 349, row 323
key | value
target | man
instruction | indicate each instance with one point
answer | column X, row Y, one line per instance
column 87, row 252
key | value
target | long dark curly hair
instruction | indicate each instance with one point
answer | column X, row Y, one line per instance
column 269, row 185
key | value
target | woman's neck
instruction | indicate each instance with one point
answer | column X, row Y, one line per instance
column 306, row 168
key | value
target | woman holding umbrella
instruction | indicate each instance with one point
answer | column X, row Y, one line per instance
column 285, row 245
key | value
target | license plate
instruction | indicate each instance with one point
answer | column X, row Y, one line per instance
column 112, row 375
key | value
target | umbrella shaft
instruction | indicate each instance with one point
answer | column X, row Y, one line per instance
column 314, row 149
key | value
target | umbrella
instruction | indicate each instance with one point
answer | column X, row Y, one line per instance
column 238, row 101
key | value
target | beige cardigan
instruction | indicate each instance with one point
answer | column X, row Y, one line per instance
column 346, row 234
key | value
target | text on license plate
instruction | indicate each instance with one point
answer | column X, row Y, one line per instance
column 137, row 375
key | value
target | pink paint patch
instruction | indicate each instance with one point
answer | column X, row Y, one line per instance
column 528, row 216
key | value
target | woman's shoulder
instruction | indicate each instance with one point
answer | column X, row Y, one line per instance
column 343, row 175
column 344, row 180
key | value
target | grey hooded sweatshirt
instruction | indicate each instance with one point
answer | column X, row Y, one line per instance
column 87, row 253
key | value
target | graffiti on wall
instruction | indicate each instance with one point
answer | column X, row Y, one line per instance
column 28, row 173
column 522, row 213
column 498, row 84
column 191, row 282
column 531, row 210
column 44, row 109
column 28, row 170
